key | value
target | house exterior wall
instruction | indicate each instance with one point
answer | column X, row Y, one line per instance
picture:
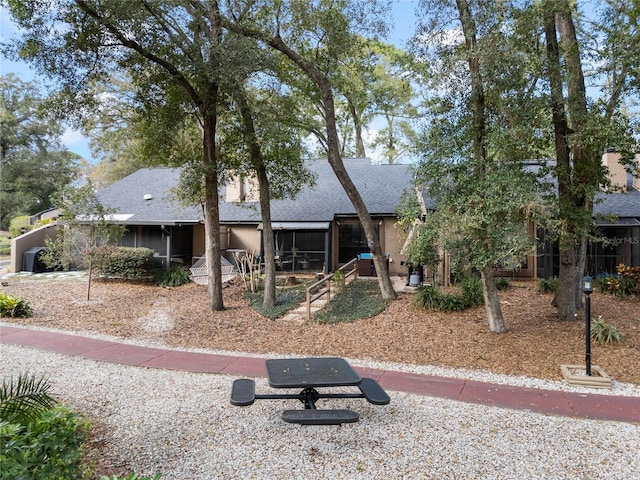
column 391, row 243
column 33, row 238
column 199, row 241
column 244, row 237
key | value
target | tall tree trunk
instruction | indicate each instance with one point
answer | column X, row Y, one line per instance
column 269, row 244
column 257, row 160
column 335, row 160
column 478, row 107
column 564, row 298
column 576, row 171
column 492, row 302
column 212, row 214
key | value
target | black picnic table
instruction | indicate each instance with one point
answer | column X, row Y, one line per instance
column 311, row 374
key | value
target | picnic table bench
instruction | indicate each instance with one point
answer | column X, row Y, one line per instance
column 310, row 374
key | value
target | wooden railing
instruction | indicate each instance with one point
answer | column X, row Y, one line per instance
column 323, row 286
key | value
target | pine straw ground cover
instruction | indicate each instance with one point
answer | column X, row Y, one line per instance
column 535, row 345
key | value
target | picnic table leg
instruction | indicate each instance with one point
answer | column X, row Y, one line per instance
column 310, row 395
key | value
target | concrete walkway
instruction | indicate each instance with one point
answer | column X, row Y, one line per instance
column 552, row 402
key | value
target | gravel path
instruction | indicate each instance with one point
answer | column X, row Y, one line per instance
column 182, row 425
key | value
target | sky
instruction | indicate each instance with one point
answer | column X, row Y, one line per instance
column 404, row 21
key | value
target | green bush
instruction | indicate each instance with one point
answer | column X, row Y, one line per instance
column 18, row 225
column 433, row 299
column 358, row 299
column 548, row 285
column 625, row 282
column 502, row 283
column 39, row 438
column 174, row 277
column 12, row 306
column 49, row 447
column 472, row 291
column 603, row 332
column 121, row 262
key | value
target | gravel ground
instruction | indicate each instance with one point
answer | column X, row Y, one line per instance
column 182, row 425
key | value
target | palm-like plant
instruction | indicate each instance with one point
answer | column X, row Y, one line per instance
column 24, row 399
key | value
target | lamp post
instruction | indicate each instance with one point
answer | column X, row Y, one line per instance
column 587, row 288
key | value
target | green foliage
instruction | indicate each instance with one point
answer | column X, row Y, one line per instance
column 174, row 277
column 5, row 247
column 34, row 162
column 471, row 287
column 24, row 399
column 603, row 332
column 548, row 285
column 39, row 439
column 625, row 282
column 502, row 283
column 49, row 447
column 338, row 280
column 286, row 299
column 19, row 225
column 432, row 298
column 87, row 226
column 127, row 263
column 358, row 299
column 12, row 306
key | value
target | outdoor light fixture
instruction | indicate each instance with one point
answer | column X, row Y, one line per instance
column 587, row 288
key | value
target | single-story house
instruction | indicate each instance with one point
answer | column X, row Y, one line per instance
column 319, row 230
column 315, row 232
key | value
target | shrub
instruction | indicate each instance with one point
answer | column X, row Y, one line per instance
column 548, row 285
column 625, row 282
column 472, row 291
column 121, row 262
column 12, row 306
column 39, row 438
column 18, row 225
column 48, row 447
column 431, row 298
column 174, row 277
column 502, row 283
column 603, row 332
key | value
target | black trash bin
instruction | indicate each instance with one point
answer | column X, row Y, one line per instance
column 31, row 261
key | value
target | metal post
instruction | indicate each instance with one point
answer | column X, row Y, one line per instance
column 587, row 331
column 587, row 288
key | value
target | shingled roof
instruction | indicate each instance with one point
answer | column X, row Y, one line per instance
column 146, row 196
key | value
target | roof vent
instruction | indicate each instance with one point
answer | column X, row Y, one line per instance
column 147, row 196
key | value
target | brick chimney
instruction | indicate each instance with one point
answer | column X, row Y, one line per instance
column 617, row 173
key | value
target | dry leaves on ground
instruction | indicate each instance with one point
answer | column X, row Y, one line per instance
column 535, row 345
